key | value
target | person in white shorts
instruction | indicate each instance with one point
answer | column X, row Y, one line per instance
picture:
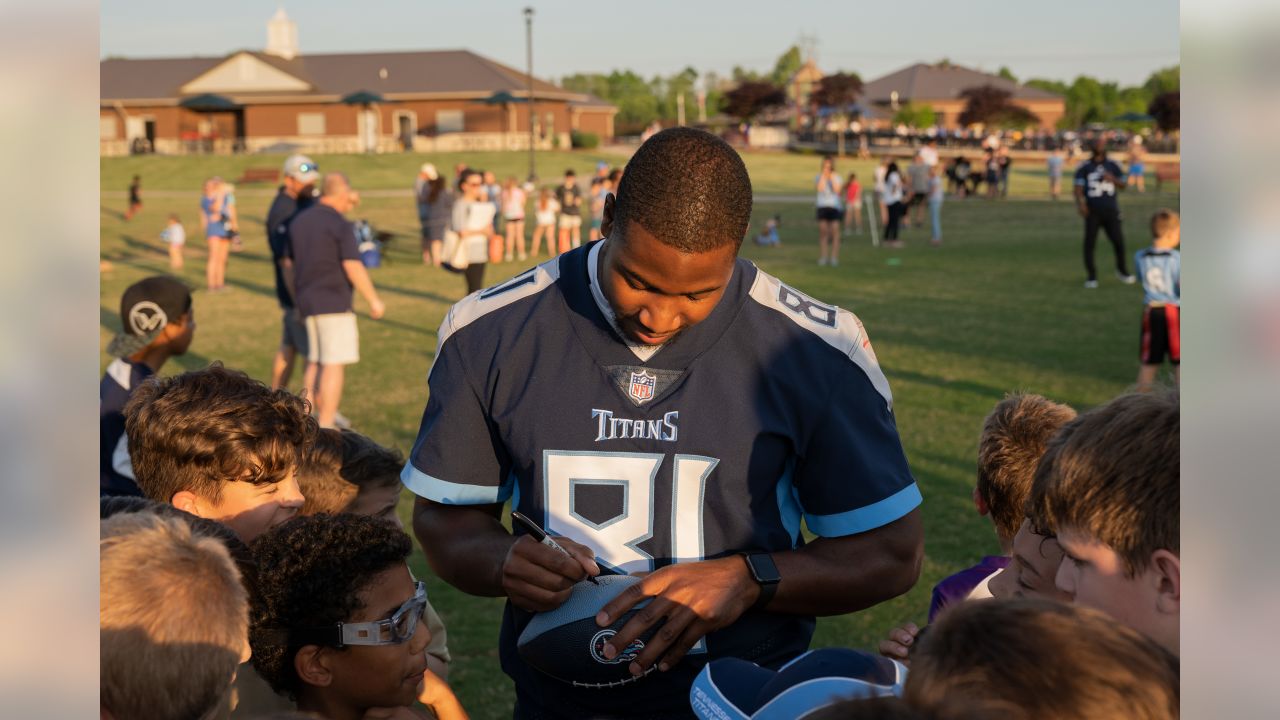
column 326, row 267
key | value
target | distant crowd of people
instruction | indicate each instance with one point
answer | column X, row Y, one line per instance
column 476, row 220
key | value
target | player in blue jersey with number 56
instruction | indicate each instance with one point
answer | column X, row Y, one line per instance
column 666, row 409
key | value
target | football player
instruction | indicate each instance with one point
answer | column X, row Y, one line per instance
column 664, row 408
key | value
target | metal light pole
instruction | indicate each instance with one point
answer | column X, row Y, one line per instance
column 533, row 114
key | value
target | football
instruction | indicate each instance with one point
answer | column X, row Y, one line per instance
column 566, row 643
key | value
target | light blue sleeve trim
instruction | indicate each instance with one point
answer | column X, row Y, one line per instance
column 866, row 518
column 447, row 493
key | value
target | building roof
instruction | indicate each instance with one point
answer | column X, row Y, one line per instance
column 923, row 82
column 386, row 73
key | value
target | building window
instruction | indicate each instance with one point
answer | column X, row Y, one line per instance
column 106, row 128
column 311, row 123
column 448, row 121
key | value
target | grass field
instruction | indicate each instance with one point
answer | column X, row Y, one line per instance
column 998, row 307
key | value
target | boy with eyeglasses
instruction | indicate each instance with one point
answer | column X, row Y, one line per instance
column 335, row 624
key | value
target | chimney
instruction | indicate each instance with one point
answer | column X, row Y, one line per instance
column 282, row 36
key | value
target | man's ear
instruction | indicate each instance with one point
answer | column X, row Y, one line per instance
column 980, row 504
column 187, row 501
column 606, row 223
column 312, row 665
column 1166, row 573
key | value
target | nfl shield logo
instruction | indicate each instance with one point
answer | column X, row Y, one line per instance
column 641, row 387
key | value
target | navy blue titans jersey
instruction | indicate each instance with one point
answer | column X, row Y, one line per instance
column 1099, row 193
column 771, row 410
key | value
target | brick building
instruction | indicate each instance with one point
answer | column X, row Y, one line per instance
column 338, row 102
column 939, row 86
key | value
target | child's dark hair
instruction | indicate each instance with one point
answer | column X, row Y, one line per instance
column 340, row 466
column 313, row 569
column 688, row 188
column 203, row 428
column 570, row 173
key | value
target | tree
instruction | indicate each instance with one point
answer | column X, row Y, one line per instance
column 1166, row 109
column 916, row 115
column 751, row 98
column 1163, row 81
column 1057, row 87
column 838, row 93
column 1007, row 74
column 989, row 105
column 786, row 66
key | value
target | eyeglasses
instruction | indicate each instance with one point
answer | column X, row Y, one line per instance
column 394, row 630
column 472, row 184
column 308, row 167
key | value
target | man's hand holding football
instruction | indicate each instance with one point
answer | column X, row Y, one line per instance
column 538, row 578
column 694, row 598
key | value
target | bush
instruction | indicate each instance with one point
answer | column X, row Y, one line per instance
column 584, row 140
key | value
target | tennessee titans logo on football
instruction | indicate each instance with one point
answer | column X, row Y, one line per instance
column 641, row 387
column 626, row 656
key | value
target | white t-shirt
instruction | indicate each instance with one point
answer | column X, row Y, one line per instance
column 929, row 155
column 829, row 194
column 474, row 217
column 893, row 189
column 880, row 171
column 513, row 204
column 174, row 234
column 548, row 216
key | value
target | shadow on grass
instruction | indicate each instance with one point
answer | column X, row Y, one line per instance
column 146, row 247
column 995, row 394
column 414, row 293
column 114, row 214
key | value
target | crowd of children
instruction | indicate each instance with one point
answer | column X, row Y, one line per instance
column 264, row 569
column 263, row 533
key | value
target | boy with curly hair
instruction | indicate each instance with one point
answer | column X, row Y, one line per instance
column 220, row 445
column 335, row 624
column 345, row 471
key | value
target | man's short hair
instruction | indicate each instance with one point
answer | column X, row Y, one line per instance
column 342, row 464
column 173, row 618
column 1164, row 221
column 1038, row 659
column 333, row 183
column 1112, row 474
column 203, row 428
column 1014, row 436
column 688, row 188
column 312, row 571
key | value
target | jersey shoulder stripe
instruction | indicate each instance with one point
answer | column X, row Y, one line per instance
column 838, row 328
column 482, row 302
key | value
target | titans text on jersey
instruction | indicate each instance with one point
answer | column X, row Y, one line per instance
column 610, row 427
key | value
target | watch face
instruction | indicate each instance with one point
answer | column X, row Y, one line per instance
column 762, row 567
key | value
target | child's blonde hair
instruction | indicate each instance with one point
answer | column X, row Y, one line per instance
column 174, row 618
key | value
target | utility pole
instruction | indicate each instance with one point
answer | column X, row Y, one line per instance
column 533, row 114
column 680, row 108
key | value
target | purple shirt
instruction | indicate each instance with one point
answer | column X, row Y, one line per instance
column 956, row 588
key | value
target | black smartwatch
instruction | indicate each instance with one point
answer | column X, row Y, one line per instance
column 765, row 573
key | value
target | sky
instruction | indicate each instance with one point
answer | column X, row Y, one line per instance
column 1123, row 41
